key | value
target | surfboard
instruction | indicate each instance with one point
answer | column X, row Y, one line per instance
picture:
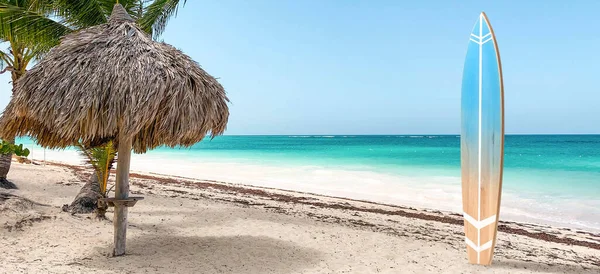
column 482, row 142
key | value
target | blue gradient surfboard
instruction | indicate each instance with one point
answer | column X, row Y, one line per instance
column 482, row 142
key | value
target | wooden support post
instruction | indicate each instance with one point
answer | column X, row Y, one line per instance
column 122, row 193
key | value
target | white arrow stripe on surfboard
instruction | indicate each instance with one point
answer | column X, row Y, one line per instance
column 483, row 247
column 479, row 224
column 480, row 43
column 480, row 37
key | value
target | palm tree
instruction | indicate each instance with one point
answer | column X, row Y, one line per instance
column 101, row 158
column 32, row 27
column 18, row 55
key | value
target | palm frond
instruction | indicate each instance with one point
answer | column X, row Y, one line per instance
column 30, row 27
column 157, row 15
column 81, row 14
column 138, row 9
column 4, row 60
column 45, row 7
column 102, row 159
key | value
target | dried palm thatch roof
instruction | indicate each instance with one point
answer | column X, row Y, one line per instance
column 112, row 81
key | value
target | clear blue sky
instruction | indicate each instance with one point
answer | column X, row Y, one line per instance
column 389, row 67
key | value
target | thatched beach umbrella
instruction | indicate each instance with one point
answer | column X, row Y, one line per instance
column 113, row 82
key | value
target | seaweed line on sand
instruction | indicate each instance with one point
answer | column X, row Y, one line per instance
column 453, row 219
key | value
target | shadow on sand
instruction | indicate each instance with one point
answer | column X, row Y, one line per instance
column 155, row 253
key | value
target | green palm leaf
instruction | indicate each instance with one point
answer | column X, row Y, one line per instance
column 30, row 27
column 157, row 15
column 102, row 159
column 80, row 14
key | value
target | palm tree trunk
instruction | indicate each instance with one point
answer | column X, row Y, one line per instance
column 86, row 200
column 19, row 65
column 5, row 161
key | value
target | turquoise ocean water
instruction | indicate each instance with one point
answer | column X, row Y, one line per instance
column 558, row 165
column 549, row 168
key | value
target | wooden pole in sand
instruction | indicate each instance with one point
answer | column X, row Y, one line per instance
column 121, row 193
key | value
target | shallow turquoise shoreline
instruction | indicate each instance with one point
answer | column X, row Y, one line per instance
column 564, row 165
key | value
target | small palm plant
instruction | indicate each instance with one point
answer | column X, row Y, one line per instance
column 101, row 158
column 9, row 148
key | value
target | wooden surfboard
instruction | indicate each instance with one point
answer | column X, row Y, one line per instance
column 482, row 142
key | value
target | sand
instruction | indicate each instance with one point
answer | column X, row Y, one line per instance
column 194, row 226
column 436, row 190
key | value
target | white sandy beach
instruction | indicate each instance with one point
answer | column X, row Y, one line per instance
column 193, row 226
column 439, row 192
